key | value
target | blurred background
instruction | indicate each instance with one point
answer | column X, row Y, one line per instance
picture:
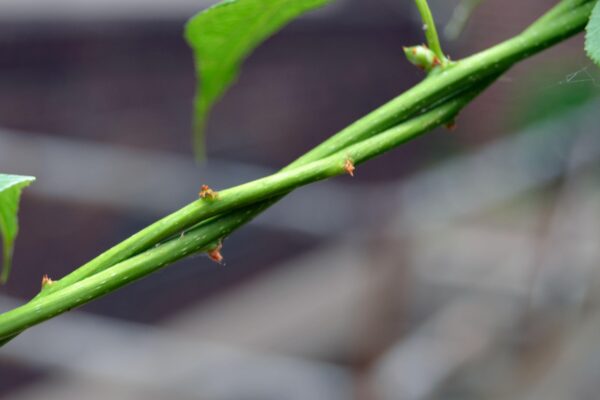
column 463, row 265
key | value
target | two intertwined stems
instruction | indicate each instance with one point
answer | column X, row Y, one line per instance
column 202, row 225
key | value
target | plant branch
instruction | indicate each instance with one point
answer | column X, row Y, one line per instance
column 207, row 234
column 431, row 102
column 204, row 237
column 560, row 9
column 465, row 73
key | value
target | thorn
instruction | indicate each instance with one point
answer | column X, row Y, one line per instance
column 436, row 61
column 207, row 193
column 450, row 125
column 46, row 281
column 349, row 167
column 182, row 235
column 215, row 254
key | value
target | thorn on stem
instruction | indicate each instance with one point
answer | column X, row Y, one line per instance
column 46, row 281
column 207, row 193
column 450, row 125
column 349, row 167
column 215, row 254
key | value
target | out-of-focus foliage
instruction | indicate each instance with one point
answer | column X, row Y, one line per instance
column 460, row 16
column 553, row 92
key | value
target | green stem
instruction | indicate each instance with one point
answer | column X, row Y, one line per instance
column 417, row 109
column 433, row 41
column 204, row 236
column 461, row 76
column 560, row 9
column 420, row 98
column 7, row 253
column 38, row 310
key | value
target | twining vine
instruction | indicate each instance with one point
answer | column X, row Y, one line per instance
column 203, row 225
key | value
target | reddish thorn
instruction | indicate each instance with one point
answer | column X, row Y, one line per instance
column 451, row 125
column 436, row 61
column 46, row 281
column 349, row 167
column 215, row 254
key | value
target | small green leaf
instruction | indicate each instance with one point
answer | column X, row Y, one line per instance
column 222, row 36
column 10, row 193
column 592, row 36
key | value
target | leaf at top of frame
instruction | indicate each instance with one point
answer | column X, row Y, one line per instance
column 222, row 36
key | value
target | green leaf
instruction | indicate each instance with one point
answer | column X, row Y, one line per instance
column 10, row 193
column 592, row 36
column 222, row 36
